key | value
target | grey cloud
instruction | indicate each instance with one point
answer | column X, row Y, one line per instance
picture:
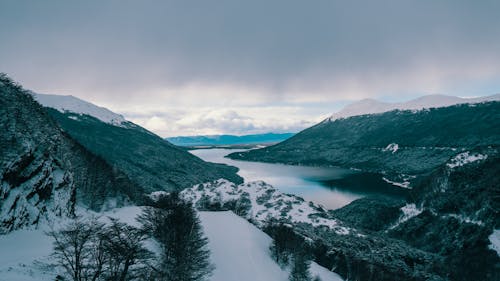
column 152, row 56
column 120, row 45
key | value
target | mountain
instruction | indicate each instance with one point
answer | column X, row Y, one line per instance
column 214, row 140
column 148, row 160
column 371, row 106
column 44, row 172
column 399, row 144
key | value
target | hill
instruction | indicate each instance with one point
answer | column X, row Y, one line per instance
column 44, row 172
column 399, row 144
column 148, row 160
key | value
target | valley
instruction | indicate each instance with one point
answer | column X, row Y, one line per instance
column 399, row 195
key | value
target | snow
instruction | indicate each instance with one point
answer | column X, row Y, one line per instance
column 495, row 241
column 371, row 106
column 19, row 252
column 393, row 147
column 404, row 184
column 263, row 203
column 76, row 105
column 465, row 158
column 464, row 219
column 409, row 211
column 240, row 251
column 23, row 251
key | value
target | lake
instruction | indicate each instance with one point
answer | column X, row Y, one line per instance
column 329, row 186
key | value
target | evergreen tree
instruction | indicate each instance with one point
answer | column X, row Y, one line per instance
column 300, row 267
column 184, row 252
column 285, row 242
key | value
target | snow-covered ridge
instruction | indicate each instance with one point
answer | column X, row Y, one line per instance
column 371, row 106
column 76, row 105
column 261, row 203
column 465, row 158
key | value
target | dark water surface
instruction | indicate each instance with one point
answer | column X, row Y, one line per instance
column 330, row 186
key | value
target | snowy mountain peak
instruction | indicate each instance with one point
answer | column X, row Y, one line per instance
column 76, row 105
column 371, row 106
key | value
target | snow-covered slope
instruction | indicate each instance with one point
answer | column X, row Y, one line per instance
column 239, row 250
column 371, row 106
column 76, row 105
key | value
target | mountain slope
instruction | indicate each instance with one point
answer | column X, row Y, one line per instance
column 453, row 213
column 458, row 209
column 229, row 139
column 148, row 160
column 371, row 106
column 395, row 142
column 43, row 171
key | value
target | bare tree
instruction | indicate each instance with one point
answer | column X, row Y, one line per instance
column 89, row 250
column 126, row 255
column 78, row 250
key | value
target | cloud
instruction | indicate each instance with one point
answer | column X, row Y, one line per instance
column 174, row 57
column 224, row 121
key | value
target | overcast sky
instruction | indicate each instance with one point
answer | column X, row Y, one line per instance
column 210, row 67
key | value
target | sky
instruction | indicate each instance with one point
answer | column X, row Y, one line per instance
column 239, row 67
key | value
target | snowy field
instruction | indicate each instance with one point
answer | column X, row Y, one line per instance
column 239, row 251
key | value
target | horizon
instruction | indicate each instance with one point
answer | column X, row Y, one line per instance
column 346, row 104
column 179, row 69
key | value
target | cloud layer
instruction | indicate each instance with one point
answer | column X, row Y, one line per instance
column 215, row 66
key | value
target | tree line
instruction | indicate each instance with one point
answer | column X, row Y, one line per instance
column 290, row 250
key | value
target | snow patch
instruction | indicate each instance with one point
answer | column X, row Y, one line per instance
column 409, row 211
column 393, row 147
column 465, row 158
column 464, row 219
column 495, row 241
column 405, row 184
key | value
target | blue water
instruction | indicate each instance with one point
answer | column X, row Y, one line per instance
column 329, row 186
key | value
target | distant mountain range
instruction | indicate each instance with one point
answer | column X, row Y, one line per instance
column 371, row 106
column 215, row 140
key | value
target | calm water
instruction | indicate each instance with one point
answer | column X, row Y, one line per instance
column 331, row 187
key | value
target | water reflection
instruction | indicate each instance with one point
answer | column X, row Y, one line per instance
column 329, row 186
